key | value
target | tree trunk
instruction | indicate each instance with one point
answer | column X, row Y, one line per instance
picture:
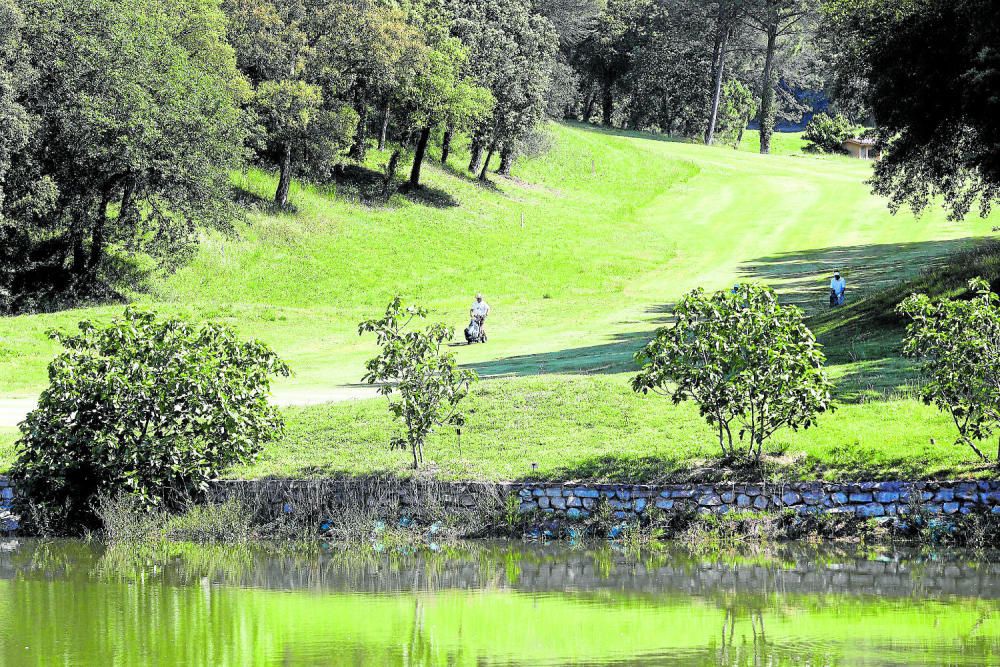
column 446, row 145
column 719, row 65
column 284, row 178
column 486, row 164
column 418, row 156
column 506, row 161
column 588, row 106
column 360, row 147
column 79, row 255
column 476, row 162
column 97, row 238
column 767, row 92
column 607, row 103
column 385, row 127
column 390, row 174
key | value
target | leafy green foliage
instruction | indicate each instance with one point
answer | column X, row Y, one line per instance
column 738, row 107
column 747, row 360
column 413, row 364
column 137, row 124
column 512, row 54
column 826, row 134
column 150, row 407
column 930, row 75
column 959, row 341
column 300, row 125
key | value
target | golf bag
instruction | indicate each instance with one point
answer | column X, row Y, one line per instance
column 474, row 332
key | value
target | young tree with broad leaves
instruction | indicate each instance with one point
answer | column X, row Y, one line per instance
column 959, row 343
column 414, row 365
column 145, row 406
column 750, row 363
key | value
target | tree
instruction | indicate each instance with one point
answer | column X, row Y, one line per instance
column 512, row 54
column 145, row 406
column 727, row 22
column 16, row 127
column 134, row 135
column 747, row 360
column 932, row 82
column 607, row 52
column 441, row 92
column 287, row 48
column 669, row 81
column 297, row 120
column 414, row 365
column 826, row 134
column 959, row 342
column 738, row 107
column 776, row 20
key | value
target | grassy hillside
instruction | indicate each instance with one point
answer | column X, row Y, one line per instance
column 580, row 257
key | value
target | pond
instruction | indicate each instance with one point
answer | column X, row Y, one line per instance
column 493, row 603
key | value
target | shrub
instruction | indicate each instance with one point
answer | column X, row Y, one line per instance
column 746, row 359
column 147, row 407
column 414, row 365
column 826, row 134
column 959, row 341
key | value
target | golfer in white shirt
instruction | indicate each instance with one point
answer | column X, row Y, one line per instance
column 480, row 309
column 839, row 286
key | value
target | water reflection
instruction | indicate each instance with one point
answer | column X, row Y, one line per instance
column 493, row 604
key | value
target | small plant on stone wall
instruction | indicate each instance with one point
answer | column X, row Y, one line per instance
column 148, row 407
column 414, row 366
column 751, row 364
column 959, row 342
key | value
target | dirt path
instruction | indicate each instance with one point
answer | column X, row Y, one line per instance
column 13, row 410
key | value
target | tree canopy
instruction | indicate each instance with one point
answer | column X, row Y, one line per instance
column 130, row 140
column 929, row 74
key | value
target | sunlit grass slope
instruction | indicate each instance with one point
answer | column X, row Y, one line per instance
column 580, row 256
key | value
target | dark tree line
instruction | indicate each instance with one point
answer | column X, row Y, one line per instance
column 685, row 66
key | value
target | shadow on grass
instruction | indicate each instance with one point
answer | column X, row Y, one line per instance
column 866, row 333
column 426, row 195
column 843, row 463
column 361, row 184
column 802, row 278
column 608, row 358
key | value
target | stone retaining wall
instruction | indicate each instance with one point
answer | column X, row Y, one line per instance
column 863, row 499
column 626, row 501
column 578, row 501
column 7, row 521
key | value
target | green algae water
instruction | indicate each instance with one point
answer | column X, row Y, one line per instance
column 73, row 603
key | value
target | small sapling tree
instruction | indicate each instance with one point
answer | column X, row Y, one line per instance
column 414, row 365
column 750, row 363
column 145, row 406
column 959, row 342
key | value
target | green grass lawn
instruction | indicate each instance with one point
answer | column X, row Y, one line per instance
column 580, row 256
column 597, row 428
